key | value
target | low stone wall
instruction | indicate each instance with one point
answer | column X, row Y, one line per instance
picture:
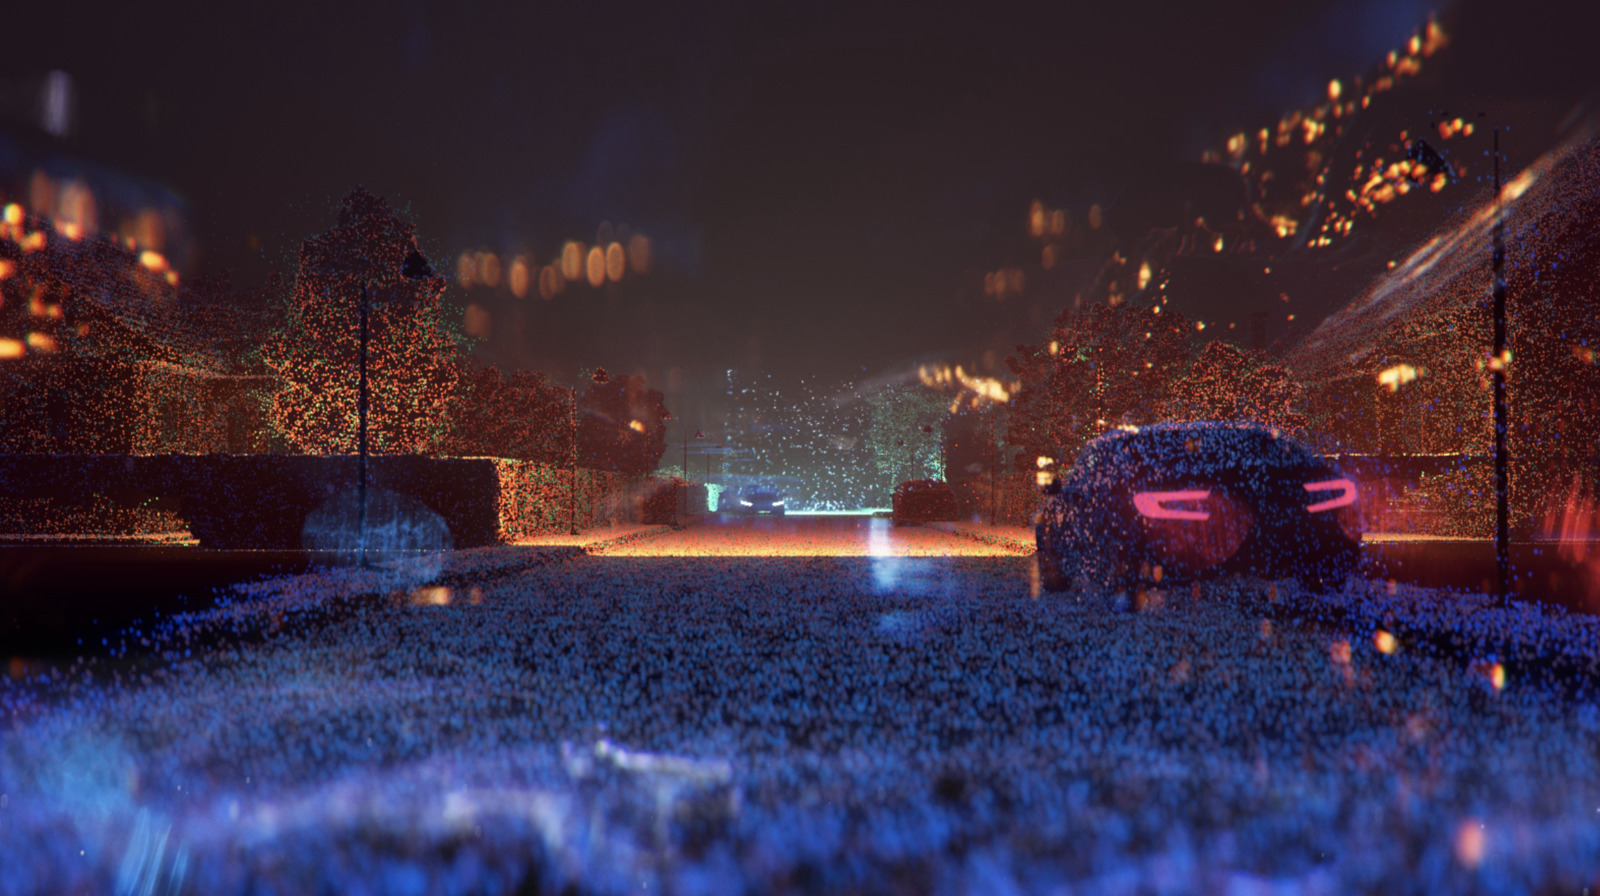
column 264, row 501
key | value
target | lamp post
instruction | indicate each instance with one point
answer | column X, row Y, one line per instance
column 415, row 268
column 699, row 436
column 1502, row 508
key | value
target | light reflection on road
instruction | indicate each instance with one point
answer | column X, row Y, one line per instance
column 829, row 536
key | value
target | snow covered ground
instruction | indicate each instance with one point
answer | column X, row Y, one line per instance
column 815, row 724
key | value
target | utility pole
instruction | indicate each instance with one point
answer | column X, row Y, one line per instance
column 1502, row 504
column 415, row 268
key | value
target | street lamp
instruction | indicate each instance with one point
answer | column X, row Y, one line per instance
column 415, row 268
column 1502, row 491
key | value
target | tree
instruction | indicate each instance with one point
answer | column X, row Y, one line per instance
column 1224, row 382
column 1103, row 365
column 905, row 432
column 522, row 416
column 622, row 426
column 411, row 355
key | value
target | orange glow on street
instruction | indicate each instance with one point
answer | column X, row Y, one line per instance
column 807, row 537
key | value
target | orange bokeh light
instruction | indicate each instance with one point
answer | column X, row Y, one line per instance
column 519, row 277
column 639, row 253
column 572, row 260
column 616, row 262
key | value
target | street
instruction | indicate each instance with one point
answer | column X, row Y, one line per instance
column 673, row 714
column 815, row 536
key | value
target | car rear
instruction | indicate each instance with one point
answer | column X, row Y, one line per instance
column 1191, row 501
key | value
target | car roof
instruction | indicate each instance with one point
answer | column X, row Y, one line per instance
column 1214, row 443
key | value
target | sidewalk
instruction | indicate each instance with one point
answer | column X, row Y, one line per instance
column 1017, row 539
column 597, row 539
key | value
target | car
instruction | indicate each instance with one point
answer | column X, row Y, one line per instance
column 751, row 499
column 1188, row 501
column 923, row 501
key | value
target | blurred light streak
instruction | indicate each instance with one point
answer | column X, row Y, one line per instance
column 518, row 278
column 639, row 253
column 595, row 267
column 1386, row 643
column 488, row 269
column 11, row 349
column 550, row 282
column 572, row 254
column 477, row 322
column 616, row 262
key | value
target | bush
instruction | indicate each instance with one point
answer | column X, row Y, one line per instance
column 922, row 501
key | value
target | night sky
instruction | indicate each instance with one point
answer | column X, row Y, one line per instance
column 824, row 184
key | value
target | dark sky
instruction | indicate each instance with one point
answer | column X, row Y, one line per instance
column 823, row 182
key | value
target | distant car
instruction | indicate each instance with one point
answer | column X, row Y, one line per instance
column 923, row 501
column 1187, row 501
column 751, row 499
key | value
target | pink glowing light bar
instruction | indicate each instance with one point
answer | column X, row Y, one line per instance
column 1151, row 505
column 1346, row 496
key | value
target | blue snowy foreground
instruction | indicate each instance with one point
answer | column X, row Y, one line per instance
column 616, row 724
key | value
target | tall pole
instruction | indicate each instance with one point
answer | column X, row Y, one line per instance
column 361, row 411
column 1502, row 509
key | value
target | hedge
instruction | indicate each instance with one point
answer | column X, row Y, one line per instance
column 264, row 501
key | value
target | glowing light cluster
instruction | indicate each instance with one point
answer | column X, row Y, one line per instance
column 970, row 389
column 71, row 209
column 1394, row 377
column 575, row 262
column 1005, row 282
column 1292, row 165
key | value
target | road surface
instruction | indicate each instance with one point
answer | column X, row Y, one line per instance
column 836, row 720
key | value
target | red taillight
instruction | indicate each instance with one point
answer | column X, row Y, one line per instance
column 1346, row 496
column 1152, row 505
